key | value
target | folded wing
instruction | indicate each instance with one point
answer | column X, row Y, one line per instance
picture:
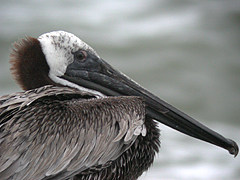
column 56, row 133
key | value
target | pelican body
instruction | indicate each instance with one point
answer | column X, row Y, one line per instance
column 79, row 118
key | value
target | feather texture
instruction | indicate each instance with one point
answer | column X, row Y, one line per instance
column 55, row 136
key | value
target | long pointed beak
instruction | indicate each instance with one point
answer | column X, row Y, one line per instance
column 111, row 82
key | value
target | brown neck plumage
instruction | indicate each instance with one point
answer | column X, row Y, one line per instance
column 29, row 66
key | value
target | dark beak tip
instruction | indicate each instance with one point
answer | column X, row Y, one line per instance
column 234, row 148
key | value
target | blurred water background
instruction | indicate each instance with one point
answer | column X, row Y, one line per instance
column 185, row 51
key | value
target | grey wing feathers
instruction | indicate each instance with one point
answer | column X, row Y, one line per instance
column 21, row 99
column 43, row 138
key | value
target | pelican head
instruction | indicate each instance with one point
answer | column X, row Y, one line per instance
column 63, row 59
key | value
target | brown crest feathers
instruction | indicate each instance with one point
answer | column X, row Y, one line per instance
column 29, row 66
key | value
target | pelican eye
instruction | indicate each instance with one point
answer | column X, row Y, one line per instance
column 80, row 55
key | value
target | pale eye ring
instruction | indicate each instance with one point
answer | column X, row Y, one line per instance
column 80, row 55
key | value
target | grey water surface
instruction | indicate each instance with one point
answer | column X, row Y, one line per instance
column 187, row 52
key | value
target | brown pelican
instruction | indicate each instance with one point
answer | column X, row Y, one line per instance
column 79, row 118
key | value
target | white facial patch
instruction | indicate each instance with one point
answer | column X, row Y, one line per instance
column 58, row 48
